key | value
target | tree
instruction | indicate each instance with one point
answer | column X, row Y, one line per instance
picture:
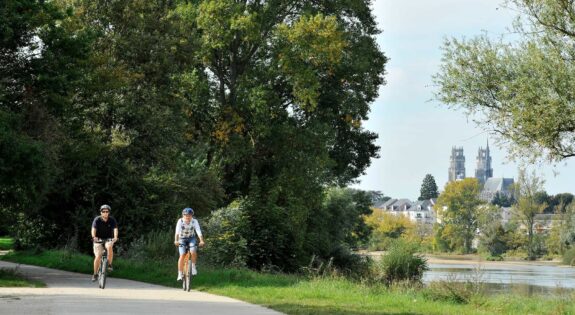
column 522, row 92
column 387, row 227
column 493, row 237
column 457, row 208
column 428, row 188
column 527, row 207
column 502, row 200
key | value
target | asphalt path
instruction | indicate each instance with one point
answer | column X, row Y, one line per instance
column 74, row 293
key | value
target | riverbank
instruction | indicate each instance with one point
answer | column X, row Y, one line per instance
column 475, row 260
column 293, row 294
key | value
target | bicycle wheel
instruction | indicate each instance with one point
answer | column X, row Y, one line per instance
column 102, row 275
column 185, row 276
column 188, row 275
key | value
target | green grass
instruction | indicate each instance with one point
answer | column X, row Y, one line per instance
column 6, row 243
column 11, row 278
column 299, row 295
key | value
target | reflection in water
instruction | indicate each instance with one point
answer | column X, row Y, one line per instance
column 527, row 279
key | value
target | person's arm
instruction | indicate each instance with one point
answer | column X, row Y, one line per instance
column 177, row 235
column 115, row 230
column 94, row 229
column 199, row 232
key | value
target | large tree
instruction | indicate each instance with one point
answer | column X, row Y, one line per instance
column 161, row 104
column 521, row 91
column 428, row 188
column 458, row 210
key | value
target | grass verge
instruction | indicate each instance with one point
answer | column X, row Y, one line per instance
column 11, row 278
column 299, row 295
column 6, row 243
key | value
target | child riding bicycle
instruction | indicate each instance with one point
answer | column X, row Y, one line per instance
column 187, row 232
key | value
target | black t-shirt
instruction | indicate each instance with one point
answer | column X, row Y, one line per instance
column 104, row 229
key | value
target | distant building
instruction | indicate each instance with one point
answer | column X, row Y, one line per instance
column 456, row 164
column 493, row 186
column 483, row 171
column 420, row 211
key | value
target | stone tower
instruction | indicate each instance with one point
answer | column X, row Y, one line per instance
column 456, row 164
column 483, row 170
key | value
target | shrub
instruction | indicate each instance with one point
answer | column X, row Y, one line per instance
column 400, row 263
column 156, row 245
column 457, row 290
column 226, row 246
column 32, row 232
column 569, row 257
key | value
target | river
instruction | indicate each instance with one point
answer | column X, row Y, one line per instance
column 520, row 277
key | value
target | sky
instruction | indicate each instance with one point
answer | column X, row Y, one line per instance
column 416, row 133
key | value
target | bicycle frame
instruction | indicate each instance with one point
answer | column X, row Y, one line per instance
column 187, row 274
column 103, row 264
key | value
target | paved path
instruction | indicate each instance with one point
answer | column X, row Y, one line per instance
column 74, row 293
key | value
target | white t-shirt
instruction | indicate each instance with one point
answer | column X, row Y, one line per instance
column 186, row 230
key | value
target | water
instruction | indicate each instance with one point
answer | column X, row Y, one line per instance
column 528, row 278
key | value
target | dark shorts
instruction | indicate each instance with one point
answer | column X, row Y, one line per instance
column 191, row 242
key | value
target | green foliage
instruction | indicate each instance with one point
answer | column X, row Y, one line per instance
column 502, row 200
column 153, row 246
column 520, row 90
column 494, row 238
column 527, row 208
column 225, row 228
column 569, row 257
column 457, row 207
column 452, row 290
column 400, row 263
column 428, row 188
column 33, row 232
column 151, row 106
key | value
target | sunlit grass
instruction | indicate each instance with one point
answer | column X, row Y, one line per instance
column 12, row 278
column 6, row 243
column 302, row 295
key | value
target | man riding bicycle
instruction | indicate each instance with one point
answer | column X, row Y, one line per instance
column 187, row 229
column 105, row 228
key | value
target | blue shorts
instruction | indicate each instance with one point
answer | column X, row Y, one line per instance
column 191, row 242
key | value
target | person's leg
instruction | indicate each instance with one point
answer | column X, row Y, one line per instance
column 194, row 254
column 193, row 250
column 110, row 248
column 97, row 257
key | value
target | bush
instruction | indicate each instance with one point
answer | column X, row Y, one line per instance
column 569, row 257
column 156, row 245
column 226, row 245
column 32, row 232
column 458, row 290
column 400, row 263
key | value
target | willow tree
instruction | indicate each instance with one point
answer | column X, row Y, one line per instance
column 521, row 91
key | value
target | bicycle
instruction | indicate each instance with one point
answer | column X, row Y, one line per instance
column 103, row 263
column 187, row 271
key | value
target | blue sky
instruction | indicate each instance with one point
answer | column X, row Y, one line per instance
column 416, row 133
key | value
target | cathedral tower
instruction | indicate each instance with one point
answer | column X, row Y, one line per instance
column 456, row 164
column 483, row 170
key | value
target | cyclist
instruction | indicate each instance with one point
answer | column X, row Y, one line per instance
column 187, row 232
column 104, row 227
